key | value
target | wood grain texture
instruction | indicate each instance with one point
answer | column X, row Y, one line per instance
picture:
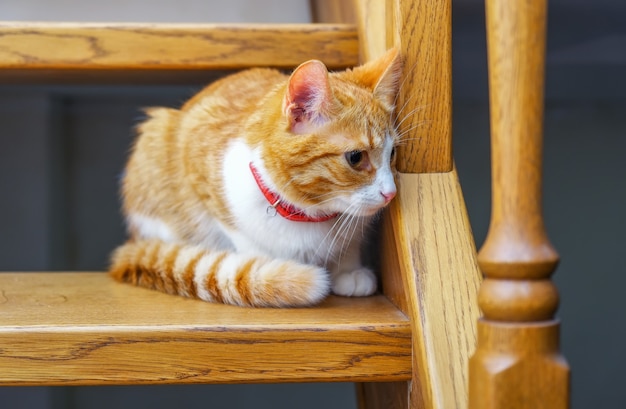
column 383, row 395
column 69, row 48
column 518, row 367
column 333, row 11
column 372, row 23
column 429, row 269
column 517, row 363
column 422, row 30
column 388, row 395
column 517, row 245
column 440, row 275
column 83, row 328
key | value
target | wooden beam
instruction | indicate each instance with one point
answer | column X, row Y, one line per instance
column 84, row 328
column 422, row 30
column 429, row 267
column 76, row 48
column 440, row 277
column 429, row 270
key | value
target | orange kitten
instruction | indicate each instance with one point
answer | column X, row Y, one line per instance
column 256, row 192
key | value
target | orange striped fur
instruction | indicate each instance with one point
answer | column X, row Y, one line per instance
column 194, row 272
column 199, row 225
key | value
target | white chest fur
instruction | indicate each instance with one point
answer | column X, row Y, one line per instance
column 263, row 231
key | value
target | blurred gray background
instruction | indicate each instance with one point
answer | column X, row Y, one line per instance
column 62, row 149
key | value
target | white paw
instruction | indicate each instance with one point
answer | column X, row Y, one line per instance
column 357, row 283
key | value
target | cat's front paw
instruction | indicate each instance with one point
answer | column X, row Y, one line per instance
column 356, row 283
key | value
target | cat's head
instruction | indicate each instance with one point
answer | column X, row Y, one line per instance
column 334, row 149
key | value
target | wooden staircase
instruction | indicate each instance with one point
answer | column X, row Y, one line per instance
column 408, row 347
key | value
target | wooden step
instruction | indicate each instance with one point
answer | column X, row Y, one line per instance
column 75, row 52
column 84, row 328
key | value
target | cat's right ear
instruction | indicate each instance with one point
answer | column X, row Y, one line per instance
column 307, row 97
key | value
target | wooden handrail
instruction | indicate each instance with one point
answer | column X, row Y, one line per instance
column 517, row 363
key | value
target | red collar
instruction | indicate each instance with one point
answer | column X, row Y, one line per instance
column 288, row 211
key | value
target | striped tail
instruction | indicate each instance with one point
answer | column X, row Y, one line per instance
column 219, row 276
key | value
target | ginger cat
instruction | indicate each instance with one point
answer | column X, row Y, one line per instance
column 257, row 191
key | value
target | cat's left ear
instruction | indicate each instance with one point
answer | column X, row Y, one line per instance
column 382, row 76
column 307, row 97
column 388, row 84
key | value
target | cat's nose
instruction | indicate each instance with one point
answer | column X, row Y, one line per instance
column 388, row 195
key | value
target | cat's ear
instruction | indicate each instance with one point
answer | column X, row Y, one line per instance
column 388, row 84
column 382, row 76
column 307, row 97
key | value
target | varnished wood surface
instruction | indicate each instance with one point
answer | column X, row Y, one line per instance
column 373, row 17
column 517, row 364
column 518, row 367
column 517, row 245
column 423, row 32
column 333, row 11
column 52, row 49
column 84, row 328
column 440, row 276
column 383, row 395
column 429, row 268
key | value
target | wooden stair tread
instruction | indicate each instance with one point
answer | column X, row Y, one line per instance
column 84, row 328
column 44, row 51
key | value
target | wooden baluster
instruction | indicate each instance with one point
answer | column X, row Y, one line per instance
column 517, row 363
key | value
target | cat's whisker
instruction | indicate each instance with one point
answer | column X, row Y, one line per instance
column 412, row 128
column 332, row 231
column 340, row 223
column 403, row 143
column 406, row 102
column 408, row 115
column 405, row 140
column 343, row 232
column 406, row 77
column 334, row 195
column 398, row 111
column 345, row 223
column 346, row 237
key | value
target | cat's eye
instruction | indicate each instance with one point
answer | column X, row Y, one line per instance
column 354, row 158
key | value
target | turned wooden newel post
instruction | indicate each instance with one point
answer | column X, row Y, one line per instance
column 517, row 363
